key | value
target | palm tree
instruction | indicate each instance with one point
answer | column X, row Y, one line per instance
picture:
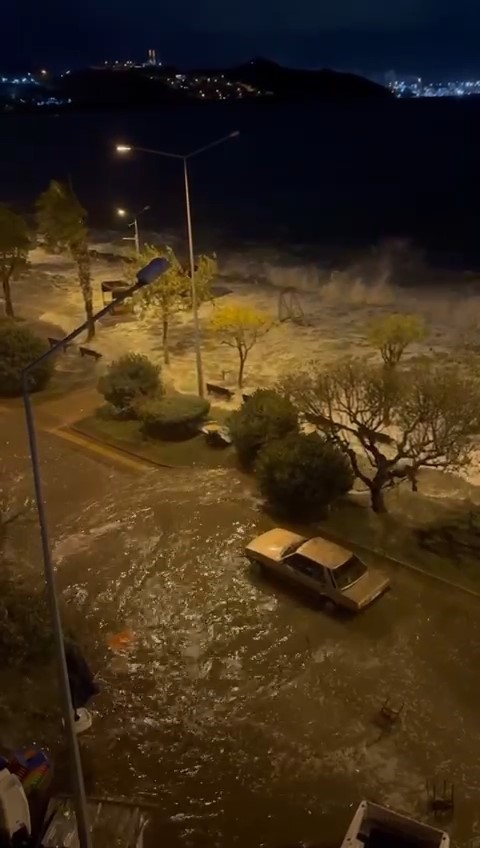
column 62, row 221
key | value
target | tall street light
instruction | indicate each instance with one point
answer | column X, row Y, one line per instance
column 145, row 276
column 127, row 148
column 135, row 238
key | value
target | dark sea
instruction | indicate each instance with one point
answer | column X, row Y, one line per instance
column 317, row 179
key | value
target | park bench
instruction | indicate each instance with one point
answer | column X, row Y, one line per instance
column 220, row 391
column 52, row 342
column 87, row 351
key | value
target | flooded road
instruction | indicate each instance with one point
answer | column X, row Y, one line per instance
column 246, row 715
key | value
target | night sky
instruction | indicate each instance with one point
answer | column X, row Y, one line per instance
column 428, row 37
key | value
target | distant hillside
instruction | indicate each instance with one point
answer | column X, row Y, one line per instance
column 259, row 80
column 299, row 84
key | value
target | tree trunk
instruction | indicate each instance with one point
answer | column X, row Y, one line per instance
column 389, row 374
column 166, row 353
column 89, row 316
column 8, row 299
column 378, row 500
column 82, row 259
column 241, row 370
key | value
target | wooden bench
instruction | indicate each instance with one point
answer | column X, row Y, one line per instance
column 221, row 391
column 52, row 342
column 87, row 351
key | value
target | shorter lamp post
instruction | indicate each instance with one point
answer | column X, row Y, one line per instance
column 145, row 276
column 136, row 237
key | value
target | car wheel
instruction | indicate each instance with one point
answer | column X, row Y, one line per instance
column 258, row 566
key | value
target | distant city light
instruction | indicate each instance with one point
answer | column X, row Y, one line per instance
column 415, row 87
column 123, row 148
column 43, row 72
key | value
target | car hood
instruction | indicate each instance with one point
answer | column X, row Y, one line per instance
column 366, row 589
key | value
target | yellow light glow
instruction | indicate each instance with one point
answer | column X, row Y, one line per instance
column 121, row 212
column 123, row 148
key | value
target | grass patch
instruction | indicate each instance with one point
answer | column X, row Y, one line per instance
column 127, row 435
column 440, row 537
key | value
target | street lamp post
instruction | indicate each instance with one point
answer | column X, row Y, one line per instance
column 144, row 277
column 136, row 236
column 127, row 148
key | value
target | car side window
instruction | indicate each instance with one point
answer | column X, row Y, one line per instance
column 307, row 567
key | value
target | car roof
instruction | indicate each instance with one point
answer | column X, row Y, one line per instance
column 323, row 552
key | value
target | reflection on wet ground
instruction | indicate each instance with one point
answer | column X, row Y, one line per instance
column 245, row 714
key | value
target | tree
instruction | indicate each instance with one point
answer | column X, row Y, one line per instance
column 263, row 418
column 14, row 247
column 173, row 291
column 240, row 326
column 127, row 380
column 302, row 474
column 62, row 221
column 19, row 346
column 174, row 416
column 435, row 411
column 392, row 334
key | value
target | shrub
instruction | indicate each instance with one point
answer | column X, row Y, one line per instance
column 264, row 417
column 128, row 379
column 25, row 628
column 18, row 347
column 173, row 417
column 302, row 474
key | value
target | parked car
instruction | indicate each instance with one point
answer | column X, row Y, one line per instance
column 328, row 570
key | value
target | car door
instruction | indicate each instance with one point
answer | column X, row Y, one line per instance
column 308, row 573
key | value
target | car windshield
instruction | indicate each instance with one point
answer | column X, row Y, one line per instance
column 290, row 549
column 349, row 572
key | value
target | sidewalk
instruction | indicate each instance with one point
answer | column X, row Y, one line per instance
column 64, row 410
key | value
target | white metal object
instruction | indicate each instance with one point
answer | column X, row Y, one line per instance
column 373, row 825
column 14, row 810
column 83, row 720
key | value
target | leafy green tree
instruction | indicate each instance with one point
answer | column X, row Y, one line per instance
column 173, row 291
column 435, row 412
column 392, row 334
column 62, row 221
column 301, row 474
column 19, row 346
column 14, row 247
column 127, row 380
column 264, row 417
column 240, row 326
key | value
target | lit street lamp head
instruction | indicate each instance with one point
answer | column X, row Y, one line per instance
column 121, row 212
column 123, row 148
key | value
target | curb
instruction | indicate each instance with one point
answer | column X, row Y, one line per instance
column 142, row 460
column 399, row 562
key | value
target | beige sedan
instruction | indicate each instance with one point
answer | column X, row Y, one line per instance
column 331, row 572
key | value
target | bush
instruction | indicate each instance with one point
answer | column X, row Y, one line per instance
column 25, row 627
column 18, row 347
column 128, row 379
column 300, row 475
column 264, row 417
column 173, row 417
